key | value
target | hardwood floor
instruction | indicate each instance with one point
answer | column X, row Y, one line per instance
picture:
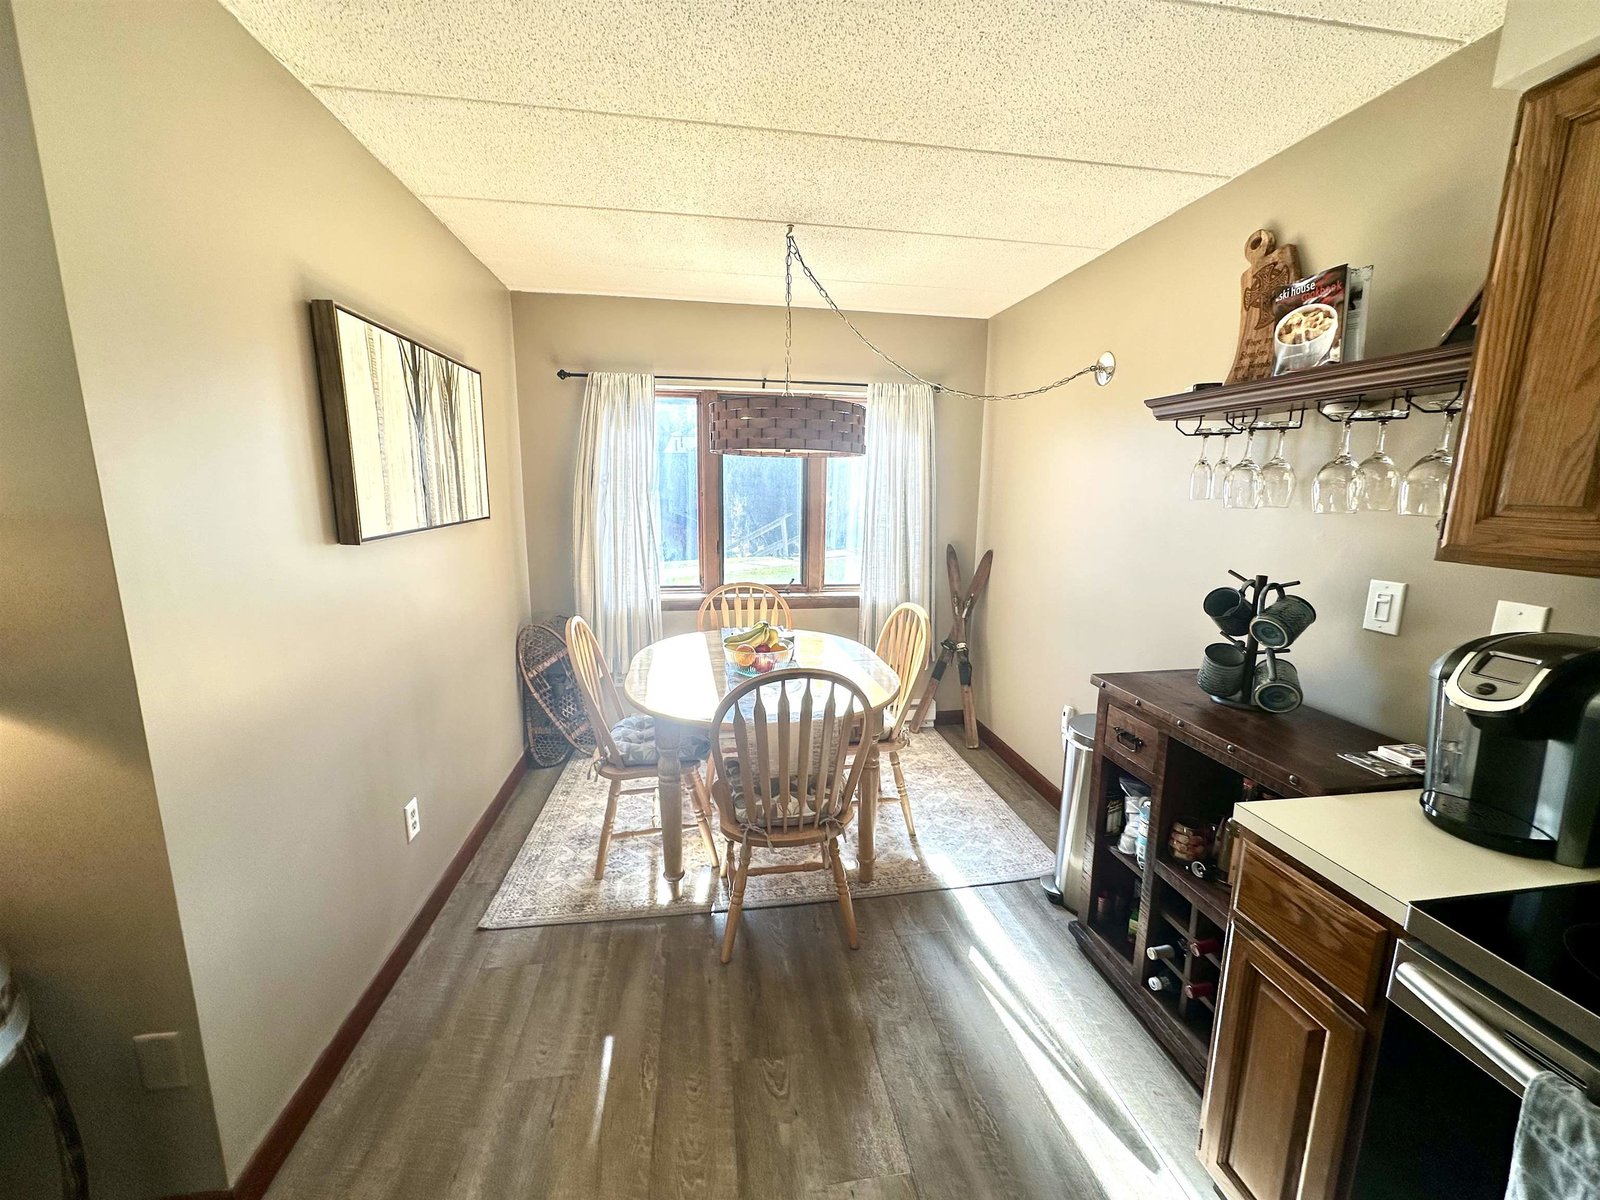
column 965, row 1051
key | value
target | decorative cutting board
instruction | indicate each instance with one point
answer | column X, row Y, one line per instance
column 1272, row 268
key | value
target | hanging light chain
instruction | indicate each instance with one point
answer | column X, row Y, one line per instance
column 791, row 252
column 792, row 255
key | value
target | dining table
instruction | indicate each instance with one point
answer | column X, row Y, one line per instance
column 681, row 680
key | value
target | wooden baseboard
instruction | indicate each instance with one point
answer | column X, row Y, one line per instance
column 1048, row 788
column 263, row 1166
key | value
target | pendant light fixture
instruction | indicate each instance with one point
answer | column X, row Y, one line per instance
column 782, row 423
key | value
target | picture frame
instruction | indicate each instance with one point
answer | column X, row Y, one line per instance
column 406, row 444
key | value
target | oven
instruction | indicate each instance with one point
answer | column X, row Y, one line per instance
column 1453, row 1059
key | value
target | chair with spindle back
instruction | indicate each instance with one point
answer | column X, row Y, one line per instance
column 741, row 605
column 625, row 746
column 789, row 780
column 903, row 644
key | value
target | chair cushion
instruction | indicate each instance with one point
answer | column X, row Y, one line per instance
column 732, row 771
column 635, row 737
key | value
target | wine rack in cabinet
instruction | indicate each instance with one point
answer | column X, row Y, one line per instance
column 1153, row 926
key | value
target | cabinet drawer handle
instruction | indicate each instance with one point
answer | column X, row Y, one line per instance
column 1131, row 740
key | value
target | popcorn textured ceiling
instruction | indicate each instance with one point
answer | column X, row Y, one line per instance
column 937, row 156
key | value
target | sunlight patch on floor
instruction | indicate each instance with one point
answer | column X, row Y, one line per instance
column 1007, row 978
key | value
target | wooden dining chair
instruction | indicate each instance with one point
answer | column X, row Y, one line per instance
column 623, row 753
column 741, row 605
column 790, row 779
column 903, row 644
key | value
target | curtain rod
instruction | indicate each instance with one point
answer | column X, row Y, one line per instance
column 764, row 381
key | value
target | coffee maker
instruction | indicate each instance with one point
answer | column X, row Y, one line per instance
column 1514, row 745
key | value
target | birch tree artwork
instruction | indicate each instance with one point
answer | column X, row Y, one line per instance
column 413, row 423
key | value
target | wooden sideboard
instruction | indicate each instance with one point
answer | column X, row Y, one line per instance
column 1198, row 758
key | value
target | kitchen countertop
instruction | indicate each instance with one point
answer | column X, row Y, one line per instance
column 1379, row 847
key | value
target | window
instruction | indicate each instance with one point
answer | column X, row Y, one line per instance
column 678, row 481
column 794, row 523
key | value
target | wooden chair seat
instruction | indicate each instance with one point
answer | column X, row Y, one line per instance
column 790, row 781
column 903, row 644
column 607, row 713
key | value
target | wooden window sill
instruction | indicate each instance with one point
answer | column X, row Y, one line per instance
column 691, row 601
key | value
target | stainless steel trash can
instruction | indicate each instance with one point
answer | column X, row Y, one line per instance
column 1069, row 883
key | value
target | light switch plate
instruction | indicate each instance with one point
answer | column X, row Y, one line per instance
column 1513, row 617
column 161, row 1065
column 1386, row 600
column 413, row 819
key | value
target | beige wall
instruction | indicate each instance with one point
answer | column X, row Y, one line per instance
column 674, row 337
column 295, row 692
column 86, row 900
column 1100, row 558
column 1542, row 38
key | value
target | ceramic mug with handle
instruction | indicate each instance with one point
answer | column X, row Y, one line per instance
column 1222, row 670
column 1276, row 685
column 1279, row 624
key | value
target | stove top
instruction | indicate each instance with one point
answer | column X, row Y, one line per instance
column 1541, row 946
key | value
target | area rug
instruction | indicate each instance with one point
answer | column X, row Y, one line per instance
column 966, row 836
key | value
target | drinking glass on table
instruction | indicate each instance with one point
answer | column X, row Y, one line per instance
column 1377, row 481
column 1423, row 490
column 1200, row 477
column 1277, row 478
column 1241, row 487
column 1333, row 490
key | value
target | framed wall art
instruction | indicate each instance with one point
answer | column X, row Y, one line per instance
column 405, row 429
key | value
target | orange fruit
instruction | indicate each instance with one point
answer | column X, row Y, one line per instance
column 744, row 656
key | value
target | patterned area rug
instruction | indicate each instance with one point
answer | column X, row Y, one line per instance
column 966, row 835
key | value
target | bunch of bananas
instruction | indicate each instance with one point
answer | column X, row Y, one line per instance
column 761, row 635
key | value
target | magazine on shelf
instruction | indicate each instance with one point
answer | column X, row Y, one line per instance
column 1321, row 319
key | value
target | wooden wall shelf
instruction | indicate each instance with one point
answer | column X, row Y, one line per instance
column 1436, row 369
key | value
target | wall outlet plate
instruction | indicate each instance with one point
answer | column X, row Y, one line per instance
column 1510, row 616
column 1386, row 600
column 413, row 819
column 161, row 1065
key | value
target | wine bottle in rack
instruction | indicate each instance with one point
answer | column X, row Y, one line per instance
column 1200, row 947
column 1160, row 953
column 1161, row 983
column 1199, row 990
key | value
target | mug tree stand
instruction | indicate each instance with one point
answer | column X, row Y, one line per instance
column 1254, row 589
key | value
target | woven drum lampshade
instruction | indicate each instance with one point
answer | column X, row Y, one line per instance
column 772, row 423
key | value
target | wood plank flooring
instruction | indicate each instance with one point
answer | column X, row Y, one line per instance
column 965, row 1051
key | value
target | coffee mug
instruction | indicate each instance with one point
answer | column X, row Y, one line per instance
column 1222, row 672
column 1277, row 685
column 1285, row 620
column 1229, row 609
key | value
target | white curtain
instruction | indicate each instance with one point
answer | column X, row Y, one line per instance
column 897, row 533
column 616, row 536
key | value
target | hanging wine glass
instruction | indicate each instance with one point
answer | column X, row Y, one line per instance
column 1333, row 490
column 1377, row 481
column 1277, row 478
column 1200, row 479
column 1423, row 490
column 1219, row 473
column 1241, row 487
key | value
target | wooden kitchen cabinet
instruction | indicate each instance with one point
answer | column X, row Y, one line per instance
column 1526, row 492
column 1284, row 1076
column 1298, row 1019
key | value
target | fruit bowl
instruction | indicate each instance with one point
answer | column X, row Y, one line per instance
column 759, row 650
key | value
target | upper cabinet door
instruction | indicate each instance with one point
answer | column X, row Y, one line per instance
column 1527, row 486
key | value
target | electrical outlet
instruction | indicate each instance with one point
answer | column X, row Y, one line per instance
column 1386, row 600
column 1512, row 617
column 161, row 1065
column 413, row 819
